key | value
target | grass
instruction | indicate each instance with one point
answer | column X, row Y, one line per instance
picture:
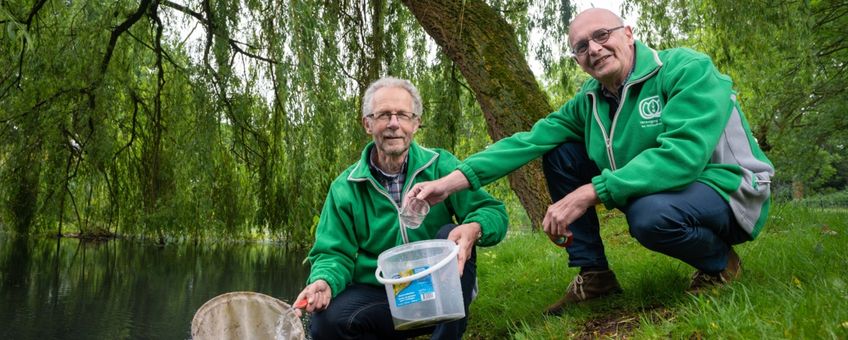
column 794, row 285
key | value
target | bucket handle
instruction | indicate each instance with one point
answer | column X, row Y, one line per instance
column 416, row 276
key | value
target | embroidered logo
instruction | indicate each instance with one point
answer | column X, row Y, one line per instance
column 650, row 108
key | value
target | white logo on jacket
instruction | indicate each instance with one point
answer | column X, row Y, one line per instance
column 650, row 108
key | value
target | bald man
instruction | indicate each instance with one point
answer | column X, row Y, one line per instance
column 658, row 135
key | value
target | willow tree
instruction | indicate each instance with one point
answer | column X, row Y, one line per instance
column 484, row 46
column 223, row 118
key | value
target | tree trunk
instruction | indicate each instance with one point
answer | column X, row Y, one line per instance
column 485, row 48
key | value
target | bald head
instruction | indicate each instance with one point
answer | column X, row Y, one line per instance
column 603, row 46
column 594, row 15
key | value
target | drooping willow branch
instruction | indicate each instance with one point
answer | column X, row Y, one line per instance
column 234, row 44
column 32, row 13
column 123, row 27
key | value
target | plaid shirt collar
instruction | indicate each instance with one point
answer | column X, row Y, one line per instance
column 392, row 182
column 614, row 98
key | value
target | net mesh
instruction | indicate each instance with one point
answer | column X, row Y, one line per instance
column 246, row 315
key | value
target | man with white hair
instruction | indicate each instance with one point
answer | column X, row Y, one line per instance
column 360, row 220
column 658, row 135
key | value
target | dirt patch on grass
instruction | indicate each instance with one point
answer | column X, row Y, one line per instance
column 621, row 325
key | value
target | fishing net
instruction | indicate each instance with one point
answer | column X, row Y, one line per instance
column 246, row 315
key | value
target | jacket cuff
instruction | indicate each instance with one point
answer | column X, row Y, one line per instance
column 470, row 175
column 604, row 195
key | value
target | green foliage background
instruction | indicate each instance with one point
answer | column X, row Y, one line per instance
column 229, row 118
column 789, row 62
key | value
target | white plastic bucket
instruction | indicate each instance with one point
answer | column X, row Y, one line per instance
column 423, row 288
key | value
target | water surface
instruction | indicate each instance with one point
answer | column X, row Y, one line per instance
column 67, row 289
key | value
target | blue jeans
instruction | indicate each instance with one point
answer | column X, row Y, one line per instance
column 694, row 225
column 362, row 311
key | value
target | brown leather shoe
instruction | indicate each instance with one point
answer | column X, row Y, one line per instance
column 702, row 282
column 586, row 286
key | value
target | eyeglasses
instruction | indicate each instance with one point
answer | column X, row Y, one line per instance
column 386, row 116
column 600, row 36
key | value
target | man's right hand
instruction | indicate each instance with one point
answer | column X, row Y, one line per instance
column 567, row 210
column 436, row 191
column 317, row 296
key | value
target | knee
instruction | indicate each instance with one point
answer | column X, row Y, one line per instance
column 549, row 160
column 323, row 326
column 561, row 157
column 568, row 164
column 646, row 234
column 650, row 224
column 335, row 322
column 445, row 231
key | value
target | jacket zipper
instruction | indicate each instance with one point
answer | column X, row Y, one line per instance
column 608, row 139
column 403, row 193
column 408, row 185
column 391, row 200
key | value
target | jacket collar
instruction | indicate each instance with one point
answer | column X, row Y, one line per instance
column 647, row 62
column 419, row 158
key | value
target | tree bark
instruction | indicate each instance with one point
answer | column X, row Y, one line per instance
column 485, row 48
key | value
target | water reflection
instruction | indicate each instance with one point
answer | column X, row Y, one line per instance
column 66, row 289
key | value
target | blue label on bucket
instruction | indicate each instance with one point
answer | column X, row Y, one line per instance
column 414, row 291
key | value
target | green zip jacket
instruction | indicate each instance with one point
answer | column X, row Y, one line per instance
column 678, row 122
column 360, row 220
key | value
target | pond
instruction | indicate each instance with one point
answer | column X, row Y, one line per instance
column 67, row 289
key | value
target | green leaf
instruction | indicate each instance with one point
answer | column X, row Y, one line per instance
column 28, row 38
column 10, row 30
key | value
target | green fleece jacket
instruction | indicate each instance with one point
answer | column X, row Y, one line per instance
column 360, row 220
column 678, row 122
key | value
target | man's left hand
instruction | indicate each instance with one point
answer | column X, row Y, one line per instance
column 465, row 236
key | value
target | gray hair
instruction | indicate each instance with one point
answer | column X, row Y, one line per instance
column 368, row 97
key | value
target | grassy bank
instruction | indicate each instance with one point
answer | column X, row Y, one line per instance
column 794, row 285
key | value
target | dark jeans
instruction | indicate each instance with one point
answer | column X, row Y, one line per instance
column 361, row 311
column 694, row 225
